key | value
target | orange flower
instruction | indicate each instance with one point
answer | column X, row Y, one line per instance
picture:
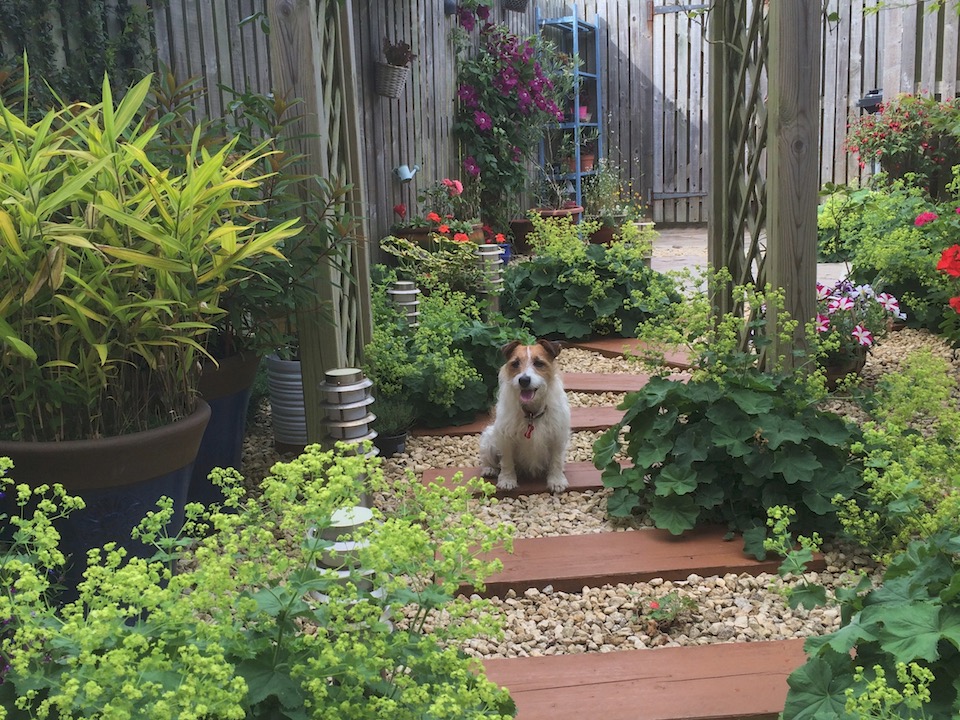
column 443, row 229
column 461, row 238
column 433, row 217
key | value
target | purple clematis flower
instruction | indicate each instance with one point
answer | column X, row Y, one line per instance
column 467, row 20
column 468, row 95
column 471, row 166
column 482, row 120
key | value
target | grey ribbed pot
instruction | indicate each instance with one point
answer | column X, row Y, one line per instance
column 287, row 412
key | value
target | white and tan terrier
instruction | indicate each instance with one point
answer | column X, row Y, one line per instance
column 531, row 423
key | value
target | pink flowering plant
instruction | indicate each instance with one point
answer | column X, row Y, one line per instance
column 852, row 318
column 910, row 134
column 508, row 91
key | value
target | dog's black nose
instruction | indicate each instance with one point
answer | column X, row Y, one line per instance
column 524, row 381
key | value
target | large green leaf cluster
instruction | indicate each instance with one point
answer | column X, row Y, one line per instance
column 599, row 290
column 712, row 452
column 913, row 617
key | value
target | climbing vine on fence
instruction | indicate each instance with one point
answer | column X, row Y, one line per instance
column 70, row 46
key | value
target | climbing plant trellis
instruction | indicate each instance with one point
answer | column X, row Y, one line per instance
column 764, row 98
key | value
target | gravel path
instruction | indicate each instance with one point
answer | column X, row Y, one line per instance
column 542, row 622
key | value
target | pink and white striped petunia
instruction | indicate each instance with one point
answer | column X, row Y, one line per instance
column 843, row 303
column 863, row 336
column 823, row 292
column 889, row 302
column 822, row 323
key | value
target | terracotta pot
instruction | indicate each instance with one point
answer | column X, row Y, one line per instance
column 604, row 236
column 587, row 162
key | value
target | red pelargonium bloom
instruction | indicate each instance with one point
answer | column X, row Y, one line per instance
column 443, row 229
column 501, row 238
column 401, row 210
column 924, row 218
column 461, row 237
column 433, row 217
column 950, row 261
column 955, row 303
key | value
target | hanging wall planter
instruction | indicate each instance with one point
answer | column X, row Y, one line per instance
column 391, row 79
column 392, row 74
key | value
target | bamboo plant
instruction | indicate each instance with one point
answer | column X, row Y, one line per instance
column 112, row 267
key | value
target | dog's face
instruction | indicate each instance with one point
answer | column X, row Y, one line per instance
column 530, row 369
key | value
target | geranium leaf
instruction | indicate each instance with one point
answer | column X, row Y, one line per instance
column 817, row 689
column 676, row 513
column 675, row 480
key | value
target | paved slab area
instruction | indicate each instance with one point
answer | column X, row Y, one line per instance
column 686, row 247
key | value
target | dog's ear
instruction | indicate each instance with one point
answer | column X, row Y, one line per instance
column 553, row 348
column 508, row 349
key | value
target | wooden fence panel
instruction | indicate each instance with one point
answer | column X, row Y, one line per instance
column 653, row 80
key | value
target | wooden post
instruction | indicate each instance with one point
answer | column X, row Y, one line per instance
column 793, row 162
column 721, row 150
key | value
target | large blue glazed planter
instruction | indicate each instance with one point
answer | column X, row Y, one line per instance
column 120, row 480
column 226, row 388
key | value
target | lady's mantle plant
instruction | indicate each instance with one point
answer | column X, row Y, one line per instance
column 851, row 318
column 250, row 625
column 730, row 443
column 571, row 289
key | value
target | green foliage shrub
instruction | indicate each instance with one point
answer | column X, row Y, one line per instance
column 251, row 625
column 898, row 652
column 710, row 452
column 446, row 368
column 849, row 216
column 911, row 476
column 571, row 290
column 900, row 255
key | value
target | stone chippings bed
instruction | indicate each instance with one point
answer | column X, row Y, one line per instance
column 732, row 608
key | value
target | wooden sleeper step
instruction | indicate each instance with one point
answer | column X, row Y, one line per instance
column 728, row 681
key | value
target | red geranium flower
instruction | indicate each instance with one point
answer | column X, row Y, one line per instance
column 461, row 238
column 950, row 261
column 401, row 210
column 443, row 229
column 924, row 218
column 955, row 303
column 433, row 217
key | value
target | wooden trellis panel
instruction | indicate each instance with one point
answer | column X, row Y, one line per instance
column 739, row 40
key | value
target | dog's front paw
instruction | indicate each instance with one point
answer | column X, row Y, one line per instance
column 506, row 482
column 557, row 483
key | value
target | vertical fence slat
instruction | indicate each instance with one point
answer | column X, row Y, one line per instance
column 951, row 31
column 929, row 50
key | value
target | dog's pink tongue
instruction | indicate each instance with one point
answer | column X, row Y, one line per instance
column 527, row 395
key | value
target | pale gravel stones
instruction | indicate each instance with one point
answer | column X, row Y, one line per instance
column 732, row 608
